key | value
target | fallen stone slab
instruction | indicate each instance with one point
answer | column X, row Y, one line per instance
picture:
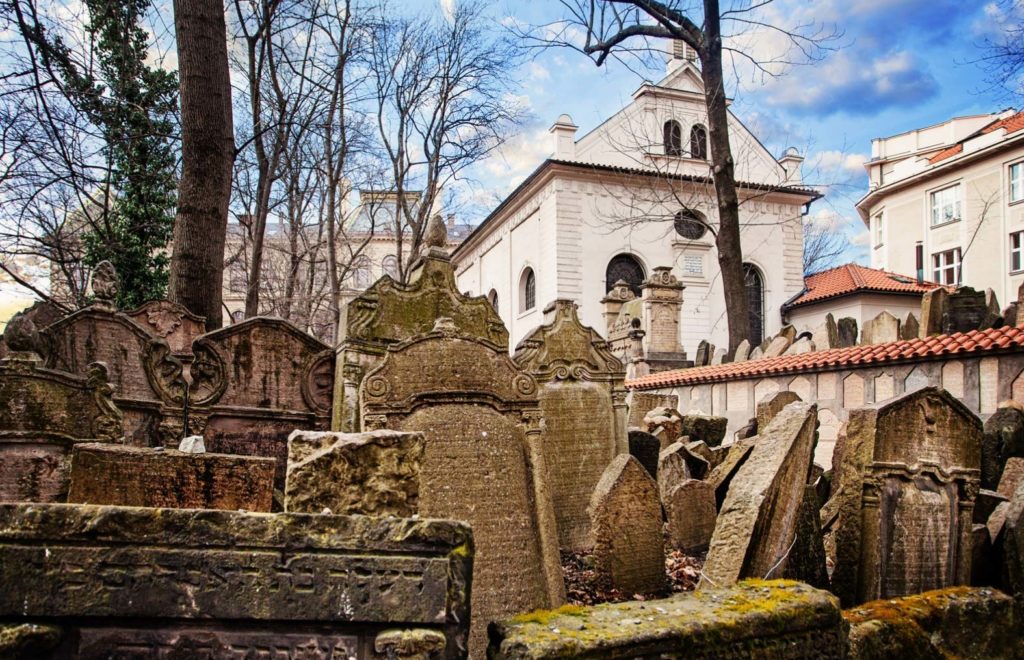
column 705, row 428
column 690, row 512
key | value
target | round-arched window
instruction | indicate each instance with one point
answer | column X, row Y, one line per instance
column 754, row 282
column 627, row 268
column 699, row 142
column 390, row 264
column 672, row 136
column 690, row 225
column 492, row 298
column 527, row 290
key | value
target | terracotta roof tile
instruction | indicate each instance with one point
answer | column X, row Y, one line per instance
column 853, row 278
column 946, row 153
column 975, row 341
column 1012, row 124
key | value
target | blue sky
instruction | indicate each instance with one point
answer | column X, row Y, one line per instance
column 899, row 65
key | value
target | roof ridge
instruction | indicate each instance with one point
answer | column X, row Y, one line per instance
column 855, row 274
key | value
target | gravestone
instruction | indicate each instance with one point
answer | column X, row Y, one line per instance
column 777, row 346
column 789, row 332
column 583, row 399
column 772, row 405
column 800, row 346
column 255, row 382
column 371, row 474
column 171, row 322
column 625, row 519
column 483, row 462
column 705, row 428
column 696, row 466
column 757, row 522
column 965, row 311
column 907, row 478
column 826, row 335
column 806, row 561
column 690, row 512
column 1011, row 535
column 910, row 328
column 742, row 351
column 645, row 448
column 1003, row 438
column 175, row 583
column 665, row 423
column 757, row 353
column 1013, row 476
column 704, row 352
column 934, row 307
column 673, row 468
column 847, row 328
column 719, row 356
column 44, row 413
column 724, row 472
column 882, row 329
column 140, row 476
column 640, row 403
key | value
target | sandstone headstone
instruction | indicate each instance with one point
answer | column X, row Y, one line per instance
column 800, row 346
column 965, row 311
column 806, row 560
column 645, row 448
column 723, row 473
column 757, row 353
column 700, row 449
column 934, row 308
column 704, row 352
column 742, row 352
column 668, row 420
column 374, row 474
column 748, row 430
column 909, row 473
column 1011, row 539
column 789, row 332
column 986, row 503
column 483, row 463
column 583, row 400
column 104, row 473
column 625, row 516
column 847, row 328
column 640, row 403
column 826, row 335
column 1011, row 314
column 993, row 316
column 772, row 405
column 910, row 328
column 757, row 523
column 673, row 468
column 1013, row 476
column 719, row 357
column 882, row 329
column 154, row 583
column 777, row 346
column 690, row 512
column 172, row 322
column 704, row 428
column 1003, row 439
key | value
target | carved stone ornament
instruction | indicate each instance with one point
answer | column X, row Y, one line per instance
column 21, row 335
column 436, row 234
column 108, row 422
column 164, row 317
column 105, row 283
column 318, row 385
column 620, row 291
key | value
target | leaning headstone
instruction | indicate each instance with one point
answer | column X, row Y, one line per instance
column 772, row 405
column 483, row 463
column 910, row 328
column 985, row 503
column 789, row 332
column 907, row 479
column 993, row 317
column 673, row 468
column 640, row 403
column 697, row 466
column 748, row 430
column 757, row 522
column 105, row 473
column 706, row 428
column 826, row 335
column 801, row 346
column 583, row 398
column 724, row 472
column 1012, row 477
column 690, row 513
column 882, row 329
column 132, row 582
column 704, row 353
column 645, row 448
column 847, row 328
column 1011, row 314
column 777, row 346
column 806, row 560
column 1011, row 578
column 757, row 353
column 742, row 351
column 373, row 474
column 668, row 420
column 1003, row 439
column 700, row 449
column 934, row 307
column 965, row 311
column 625, row 516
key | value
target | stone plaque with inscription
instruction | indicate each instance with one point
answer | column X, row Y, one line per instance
column 157, row 583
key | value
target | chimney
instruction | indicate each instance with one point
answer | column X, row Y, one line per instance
column 450, row 222
column 791, row 163
column 919, row 256
column 565, row 138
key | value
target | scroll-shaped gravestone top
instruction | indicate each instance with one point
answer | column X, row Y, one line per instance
column 482, row 462
column 908, row 476
column 582, row 396
column 105, row 284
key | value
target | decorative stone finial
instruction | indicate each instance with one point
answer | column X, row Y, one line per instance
column 446, row 326
column 22, row 338
column 105, row 284
column 436, row 234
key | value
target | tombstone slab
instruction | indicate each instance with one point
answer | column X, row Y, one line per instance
column 882, row 329
column 742, row 352
column 801, row 346
column 704, row 352
column 966, row 310
column 704, row 428
column 772, row 405
column 1010, row 531
column 640, row 403
column 757, row 522
column 757, row 353
column 777, row 346
column 668, row 420
column 908, row 475
column 847, row 328
column 230, row 583
column 1012, row 477
column 1003, row 439
column 806, row 561
column 724, row 472
column 690, row 511
column 625, row 519
column 672, row 468
column 645, row 448
column 374, row 474
column 910, row 328
column 103, row 473
column 826, row 335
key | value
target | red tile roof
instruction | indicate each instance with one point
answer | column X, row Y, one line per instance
column 946, row 153
column 1012, row 124
column 854, row 278
column 973, row 342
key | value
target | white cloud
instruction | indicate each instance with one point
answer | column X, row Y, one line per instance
column 861, row 239
column 448, row 9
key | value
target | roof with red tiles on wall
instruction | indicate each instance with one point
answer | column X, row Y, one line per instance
column 854, row 278
column 960, row 344
column 1012, row 124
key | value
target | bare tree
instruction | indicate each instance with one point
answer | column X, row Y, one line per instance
column 1003, row 52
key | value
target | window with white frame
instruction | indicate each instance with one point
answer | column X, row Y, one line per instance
column 946, row 266
column 877, row 230
column 946, row 205
column 1017, row 182
column 1016, row 251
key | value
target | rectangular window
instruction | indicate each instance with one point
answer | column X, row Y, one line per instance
column 1016, row 251
column 877, row 230
column 946, row 266
column 946, row 205
column 1016, row 182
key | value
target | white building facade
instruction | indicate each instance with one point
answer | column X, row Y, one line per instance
column 632, row 195
column 949, row 199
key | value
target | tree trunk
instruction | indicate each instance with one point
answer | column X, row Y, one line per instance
column 207, row 148
column 730, row 253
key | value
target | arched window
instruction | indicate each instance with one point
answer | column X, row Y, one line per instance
column 390, row 264
column 754, row 282
column 362, row 277
column 690, row 224
column 699, row 142
column 673, row 138
column 527, row 291
column 627, row 268
column 492, row 298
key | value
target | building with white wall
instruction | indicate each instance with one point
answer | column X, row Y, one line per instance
column 631, row 195
column 950, row 199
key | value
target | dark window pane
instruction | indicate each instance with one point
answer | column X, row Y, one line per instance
column 689, row 225
column 626, row 268
column 673, row 138
column 755, row 298
column 531, row 290
column 699, row 142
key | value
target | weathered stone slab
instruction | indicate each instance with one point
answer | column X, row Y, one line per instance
column 640, row 403
column 666, row 424
column 724, row 472
column 806, row 560
column 757, row 523
column 882, row 329
column 1013, row 476
column 778, row 345
column 583, row 398
column 910, row 328
column 909, row 474
column 484, row 461
column 958, row 622
column 374, row 474
column 135, row 582
column 704, row 428
column 800, row 346
column 800, row 622
column 742, row 352
column 690, row 512
column 772, row 405
column 965, row 311
column 672, row 468
column 757, row 353
column 122, row 475
column 645, row 448
column 985, row 503
column 789, row 332
column 826, row 335
column 697, row 466
column 1006, row 527
column 847, row 328
column 625, row 519
column 934, row 307
column 1003, row 439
